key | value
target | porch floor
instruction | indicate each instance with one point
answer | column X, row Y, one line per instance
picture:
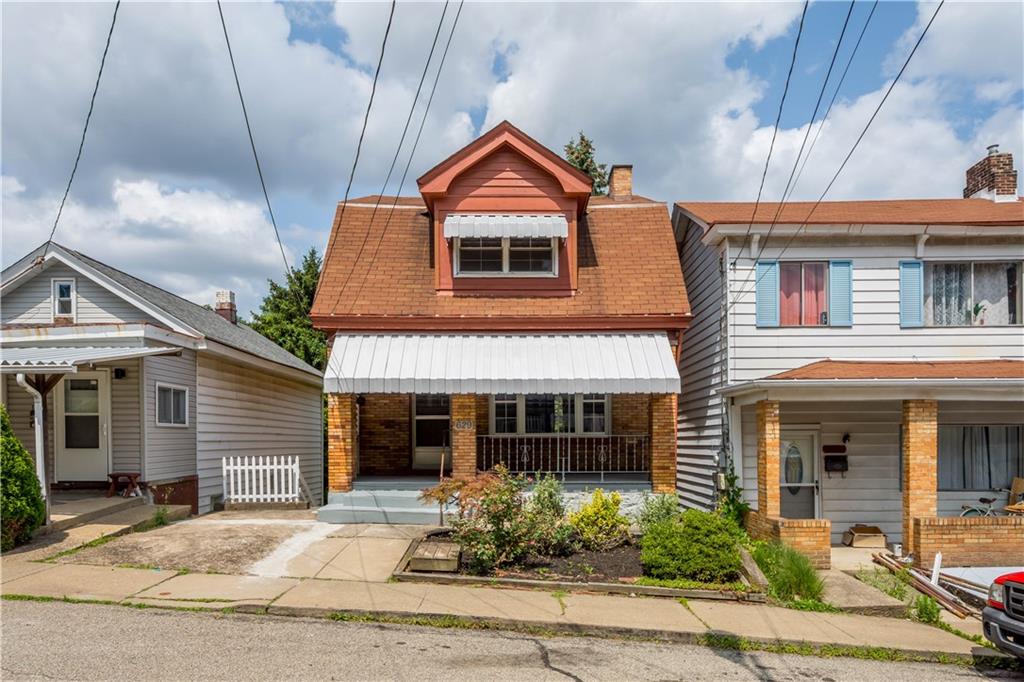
column 571, row 482
column 73, row 507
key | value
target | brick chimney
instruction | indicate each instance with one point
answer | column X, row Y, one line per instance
column 225, row 306
column 620, row 182
column 992, row 178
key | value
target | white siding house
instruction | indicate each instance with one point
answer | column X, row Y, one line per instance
column 135, row 379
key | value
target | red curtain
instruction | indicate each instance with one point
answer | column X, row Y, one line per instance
column 814, row 293
column 789, row 294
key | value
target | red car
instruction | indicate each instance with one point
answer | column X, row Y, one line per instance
column 1003, row 617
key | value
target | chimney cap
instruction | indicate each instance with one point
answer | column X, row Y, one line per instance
column 993, row 149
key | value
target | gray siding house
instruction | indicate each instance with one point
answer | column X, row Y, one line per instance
column 135, row 379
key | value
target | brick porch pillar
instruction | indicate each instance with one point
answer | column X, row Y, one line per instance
column 463, row 407
column 341, row 441
column 663, row 442
column 920, row 464
column 769, row 503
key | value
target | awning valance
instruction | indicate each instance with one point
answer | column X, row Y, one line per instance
column 64, row 359
column 501, row 363
column 476, row 225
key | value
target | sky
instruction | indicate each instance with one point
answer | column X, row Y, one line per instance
column 687, row 92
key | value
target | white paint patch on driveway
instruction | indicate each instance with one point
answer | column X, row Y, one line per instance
column 254, row 522
column 275, row 564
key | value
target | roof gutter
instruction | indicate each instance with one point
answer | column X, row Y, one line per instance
column 768, row 384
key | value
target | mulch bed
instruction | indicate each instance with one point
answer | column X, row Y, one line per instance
column 583, row 566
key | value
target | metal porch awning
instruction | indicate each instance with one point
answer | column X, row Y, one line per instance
column 491, row 226
column 501, row 363
column 66, row 359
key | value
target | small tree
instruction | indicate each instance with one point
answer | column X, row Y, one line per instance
column 580, row 153
column 283, row 316
column 22, row 508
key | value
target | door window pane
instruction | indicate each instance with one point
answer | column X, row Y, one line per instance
column 431, row 404
column 479, row 255
column 549, row 413
column 82, row 396
column 81, row 431
column 432, row 433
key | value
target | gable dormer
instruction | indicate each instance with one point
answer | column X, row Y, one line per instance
column 505, row 214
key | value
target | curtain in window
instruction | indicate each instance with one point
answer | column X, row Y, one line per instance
column 992, row 286
column 949, row 294
column 789, row 294
column 814, row 294
column 979, row 457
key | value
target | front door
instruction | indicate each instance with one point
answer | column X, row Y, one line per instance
column 82, row 427
column 798, row 468
column 431, row 432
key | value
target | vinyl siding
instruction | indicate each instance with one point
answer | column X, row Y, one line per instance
column 243, row 411
column 30, row 302
column 19, row 410
column 870, row 492
column 170, row 450
column 699, row 433
column 126, row 417
column 876, row 331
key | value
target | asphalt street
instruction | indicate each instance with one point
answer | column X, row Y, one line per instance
column 57, row 640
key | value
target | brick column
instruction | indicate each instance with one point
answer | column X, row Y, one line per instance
column 463, row 408
column 769, row 504
column 663, row 442
column 341, row 441
column 920, row 464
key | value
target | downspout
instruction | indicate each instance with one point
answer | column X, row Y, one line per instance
column 40, row 434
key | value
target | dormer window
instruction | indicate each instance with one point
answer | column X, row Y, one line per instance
column 63, row 297
column 508, row 256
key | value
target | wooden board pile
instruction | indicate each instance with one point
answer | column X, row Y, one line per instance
column 918, row 579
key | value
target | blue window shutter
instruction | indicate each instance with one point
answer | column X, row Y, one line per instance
column 840, row 293
column 911, row 293
column 767, row 293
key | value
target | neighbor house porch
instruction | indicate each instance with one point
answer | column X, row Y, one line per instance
column 814, row 460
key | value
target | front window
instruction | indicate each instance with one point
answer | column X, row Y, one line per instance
column 803, row 294
column 522, row 256
column 965, row 294
column 171, row 405
column 980, row 457
column 64, row 298
column 548, row 413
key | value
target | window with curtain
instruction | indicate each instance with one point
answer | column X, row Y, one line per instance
column 980, row 457
column 803, row 294
column 965, row 294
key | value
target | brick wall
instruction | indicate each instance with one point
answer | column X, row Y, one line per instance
column 483, row 415
column 385, row 435
column 768, row 475
column 341, row 412
column 630, row 412
column 973, row 541
column 464, row 413
column 810, row 537
column 920, row 464
column 663, row 442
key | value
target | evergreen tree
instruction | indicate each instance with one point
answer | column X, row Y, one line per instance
column 580, row 153
column 283, row 316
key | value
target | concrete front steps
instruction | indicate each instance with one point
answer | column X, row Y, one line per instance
column 378, row 506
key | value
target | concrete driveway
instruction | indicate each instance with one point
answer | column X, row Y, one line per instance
column 267, row 544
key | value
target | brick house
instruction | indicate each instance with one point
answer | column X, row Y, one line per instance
column 861, row 362
column 504, row 316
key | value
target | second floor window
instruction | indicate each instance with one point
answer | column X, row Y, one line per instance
column 64, row 298
column 803, row 294
column 517, row 256
column 972, row 293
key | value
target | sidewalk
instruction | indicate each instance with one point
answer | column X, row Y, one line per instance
column 557, row 612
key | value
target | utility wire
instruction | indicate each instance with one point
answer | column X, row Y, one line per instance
column 412, row 153
column 398, row 149
column 85, row 129
column 856, row 143
column 775, row 130
column 359, row 144
column 252, row 142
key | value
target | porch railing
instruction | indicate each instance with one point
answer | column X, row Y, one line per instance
column 563, row 454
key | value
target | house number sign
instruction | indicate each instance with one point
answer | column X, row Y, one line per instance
column 464, row 425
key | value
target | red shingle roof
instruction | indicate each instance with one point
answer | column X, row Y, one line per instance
column 887, row 212
column 910, row 369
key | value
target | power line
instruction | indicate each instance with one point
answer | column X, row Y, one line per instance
column 252, row 142
column 359, row 144
column 398, row 149
column 412, row 153
column 775, row 130
column 856, row 143
column 85, row 129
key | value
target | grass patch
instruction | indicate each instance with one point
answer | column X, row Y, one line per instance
column 684, row 584
column 953, row 630
column 98, row 542
column 811, row 605
column 879, row 578
column 560, row 595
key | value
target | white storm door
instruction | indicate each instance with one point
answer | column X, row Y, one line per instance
column 798, row 469
column 82, row 427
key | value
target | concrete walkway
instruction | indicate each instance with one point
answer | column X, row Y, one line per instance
column 588, row 613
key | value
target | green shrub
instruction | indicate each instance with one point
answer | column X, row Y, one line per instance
column 657, row 509
column 731, row 504
column 599, row 523
column 698, row 546
column 22, row 508
column 791, row 576
column 926, row 610
column 553, row 535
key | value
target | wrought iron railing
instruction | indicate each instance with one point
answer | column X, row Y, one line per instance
column 563, row 454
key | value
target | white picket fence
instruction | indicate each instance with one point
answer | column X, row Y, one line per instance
column 274, row 478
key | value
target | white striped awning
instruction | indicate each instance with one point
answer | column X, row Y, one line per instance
column 64, row 359
column 473, row 225
column 501, row 363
